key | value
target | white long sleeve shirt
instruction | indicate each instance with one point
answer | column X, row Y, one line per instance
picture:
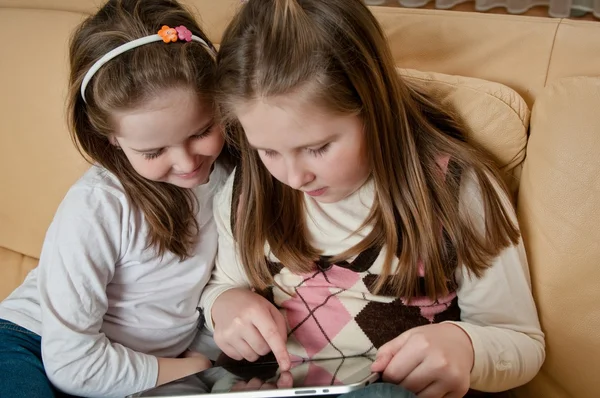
column 104, row 303
column 334, row 311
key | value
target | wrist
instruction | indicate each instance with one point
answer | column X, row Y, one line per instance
column 468, row 342
column 193, row 365
column 200, row 363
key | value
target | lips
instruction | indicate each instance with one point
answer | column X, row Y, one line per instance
column 190, row 174
column 317, row 192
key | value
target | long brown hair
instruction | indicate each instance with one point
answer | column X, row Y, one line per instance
column 336, row 50
column 126, row 82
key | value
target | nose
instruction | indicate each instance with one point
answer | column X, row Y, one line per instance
column 298, row 176
column 185, row 161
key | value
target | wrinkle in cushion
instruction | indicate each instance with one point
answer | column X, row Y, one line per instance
column 495, row 115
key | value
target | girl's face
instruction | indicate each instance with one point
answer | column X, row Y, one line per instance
column 307, row 148
column 173, row 138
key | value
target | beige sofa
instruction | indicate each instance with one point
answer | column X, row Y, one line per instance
column 551, row 157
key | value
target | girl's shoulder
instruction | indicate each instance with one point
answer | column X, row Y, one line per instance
column 224, row 194
column 225, row 199
column 97, row 192
column 94, row 208
column 231, row 181
column 97, row 178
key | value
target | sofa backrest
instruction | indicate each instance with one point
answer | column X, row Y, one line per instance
column 52, row 164
column 38, row 162
column 525, row 53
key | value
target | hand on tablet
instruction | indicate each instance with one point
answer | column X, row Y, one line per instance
column 432, row 361
column 247, row 326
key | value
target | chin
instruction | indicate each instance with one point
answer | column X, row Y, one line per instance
column 332, row 197
column 192, row 183
column 326, row 199
column 188, row 184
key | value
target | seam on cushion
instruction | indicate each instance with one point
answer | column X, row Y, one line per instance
column 460, row 15
column 552, row 51
column 23, row 271
column 478, row 91
column 514, row 162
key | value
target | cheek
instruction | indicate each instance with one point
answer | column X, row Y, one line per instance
column 347, row 164
column 210, row 146
column 154, row 169
column 274, row 167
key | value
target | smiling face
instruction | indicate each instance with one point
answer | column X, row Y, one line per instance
column 172, row 138
column 320, row 153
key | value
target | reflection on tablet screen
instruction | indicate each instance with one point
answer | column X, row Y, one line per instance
column 236, row 376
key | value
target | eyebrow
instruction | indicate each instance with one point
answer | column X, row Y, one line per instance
column 198, row 132
column 314, row 144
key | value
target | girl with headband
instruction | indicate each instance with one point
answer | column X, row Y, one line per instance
column 112, row 307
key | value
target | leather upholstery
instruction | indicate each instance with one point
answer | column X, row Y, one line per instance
column 509, row 64
column 559, row 214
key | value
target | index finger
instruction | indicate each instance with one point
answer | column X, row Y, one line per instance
column 271, row 326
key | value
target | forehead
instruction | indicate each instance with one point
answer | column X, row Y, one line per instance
column 173, row 115
column 285, row 121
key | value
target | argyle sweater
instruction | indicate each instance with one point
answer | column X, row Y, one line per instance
column 332, row 311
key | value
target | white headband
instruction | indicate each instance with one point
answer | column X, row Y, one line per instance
column 166, row 34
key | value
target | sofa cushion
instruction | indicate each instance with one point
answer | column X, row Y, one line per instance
column 558, row 209
column 496, row 116
column 14, row 268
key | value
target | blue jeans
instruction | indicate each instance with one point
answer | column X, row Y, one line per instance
column 22, row 373
column 380, row 390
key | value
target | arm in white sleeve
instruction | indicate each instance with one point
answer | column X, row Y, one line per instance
column 228, row 272
column 497, row 310
column 82, row 247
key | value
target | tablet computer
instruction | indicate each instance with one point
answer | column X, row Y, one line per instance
column 263, row 380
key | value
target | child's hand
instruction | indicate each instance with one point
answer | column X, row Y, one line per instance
column 433, row 361
column 247, row 326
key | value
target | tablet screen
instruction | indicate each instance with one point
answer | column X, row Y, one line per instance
column 234, row 377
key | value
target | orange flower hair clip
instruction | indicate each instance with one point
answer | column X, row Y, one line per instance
column 165, row 34
column 169, row 34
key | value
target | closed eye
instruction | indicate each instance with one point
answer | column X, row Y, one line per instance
column 203, row 133
column 268, row 153
column 153, row 155
column 319, row 151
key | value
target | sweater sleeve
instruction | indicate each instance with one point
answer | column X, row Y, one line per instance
column 82, row 246
column 497, row 310
column 229, row 271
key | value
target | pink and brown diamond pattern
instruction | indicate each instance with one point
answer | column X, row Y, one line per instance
column 332, row 312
